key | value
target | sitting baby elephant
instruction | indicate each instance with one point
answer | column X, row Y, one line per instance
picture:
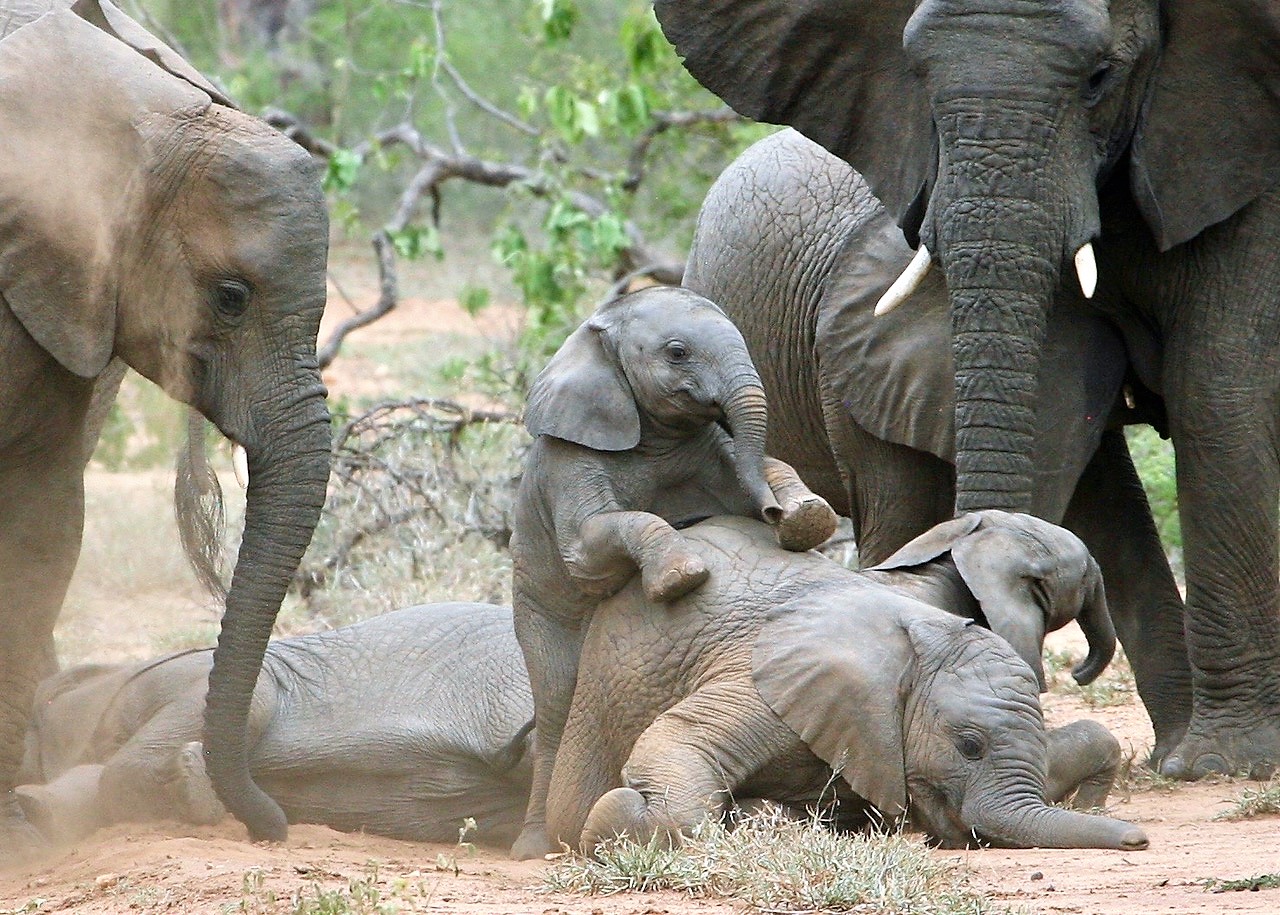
column 649, row 416
column 783, row 667
column 402, row 725
column 1017, row 575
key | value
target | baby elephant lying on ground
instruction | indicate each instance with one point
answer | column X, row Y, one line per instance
column 784, row 666
column 402, row 725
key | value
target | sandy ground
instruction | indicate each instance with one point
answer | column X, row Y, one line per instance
column 174, row 868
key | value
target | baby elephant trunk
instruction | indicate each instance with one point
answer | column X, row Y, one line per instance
column 747, row 417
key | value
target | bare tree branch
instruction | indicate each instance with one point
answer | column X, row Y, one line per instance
column 662, row 122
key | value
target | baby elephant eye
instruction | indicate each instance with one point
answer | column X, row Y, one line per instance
column 971, row 746
column 231, row 298
column 676, row 351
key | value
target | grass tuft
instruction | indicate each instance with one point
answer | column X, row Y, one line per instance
column 778, row 864
column 1253, row 802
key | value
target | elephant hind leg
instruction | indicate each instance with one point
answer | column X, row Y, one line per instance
column 687, row 764
column 1084, row 758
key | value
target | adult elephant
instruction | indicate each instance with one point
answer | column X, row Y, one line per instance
column 143, row 218
column 1004, row 137
column 794, row 246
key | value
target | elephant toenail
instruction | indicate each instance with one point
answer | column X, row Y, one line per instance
column 1211, row 764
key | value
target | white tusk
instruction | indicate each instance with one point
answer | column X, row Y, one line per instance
column 906, row 284
column 240, row 464
column 1087, row 270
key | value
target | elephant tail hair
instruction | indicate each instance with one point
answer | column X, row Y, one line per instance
column 198, row 506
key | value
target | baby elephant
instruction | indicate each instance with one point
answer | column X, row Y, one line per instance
column 650, row 415
column 1015, row 574
column 402, row 725
column 784, row 667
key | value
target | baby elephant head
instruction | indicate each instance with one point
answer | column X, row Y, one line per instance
column 663, row 360
column 1028, row 577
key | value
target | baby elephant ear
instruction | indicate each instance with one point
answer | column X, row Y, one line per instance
column 583, row 397
column 932, row 543
column 834, row 676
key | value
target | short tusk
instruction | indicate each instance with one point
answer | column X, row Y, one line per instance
column 240, row 464
column 906, row 284
column 1087, row 270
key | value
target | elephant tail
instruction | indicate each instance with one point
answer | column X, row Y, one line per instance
column 514, row 752
column 201, row 515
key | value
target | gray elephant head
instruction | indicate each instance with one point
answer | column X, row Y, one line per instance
column 660, row 363
column 1028, row 577
column 987, row 128
column 938, row 720
column 143, row 217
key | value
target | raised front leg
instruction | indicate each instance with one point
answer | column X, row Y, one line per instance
column 612, row 545
column 1084, row 758
column 807, row 520
column 1110, row 513
column 686, row 765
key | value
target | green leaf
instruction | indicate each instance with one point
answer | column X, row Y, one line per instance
column 473, row 299
column 414, row 241
column 644, row 43
column 587, row 117
column 631, row 108
column 558, row 19
column 343, row 168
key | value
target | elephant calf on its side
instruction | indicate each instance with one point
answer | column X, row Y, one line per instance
column 402, row 725
column 785, row 666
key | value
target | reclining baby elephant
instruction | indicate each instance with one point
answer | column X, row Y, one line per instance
column 791, row 666
column 649, row 416
column 402, row 725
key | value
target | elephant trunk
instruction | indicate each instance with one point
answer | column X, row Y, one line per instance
column 747, row 416
column 1035, row 824
column 288, row 474
column 1004, row 214
column 1095, row 623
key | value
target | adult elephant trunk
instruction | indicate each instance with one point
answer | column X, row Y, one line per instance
column 1008, row 206
column 747, row 416
column 288, row 457
column 1035, row 824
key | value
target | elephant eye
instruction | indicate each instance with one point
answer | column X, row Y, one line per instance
column 676, row 351
column 231, row 298
column 971, row 745
column 1097, row 84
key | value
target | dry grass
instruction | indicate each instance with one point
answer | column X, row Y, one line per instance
column 1253, row 802
column 778, row 864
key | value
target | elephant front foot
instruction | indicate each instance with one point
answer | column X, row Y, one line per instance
column 675, row 576
column 531, row 843
column 1251, row 750
column 624, row 813
column 806, row 522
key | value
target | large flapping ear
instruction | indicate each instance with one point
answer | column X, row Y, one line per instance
column 831, row 668
column 1000, row 571
column 582, row 396
column 1208, row 141
column 932, row 543
column 72, row 168
column 112, row 20
column 833, row 69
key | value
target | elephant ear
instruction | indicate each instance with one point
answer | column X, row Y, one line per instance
column 932, row 543
column 834, row 674
column 833, row 69
column 996, row 566
column 1208, row 141
column 583, row 397
column 112, row 20
column 76, row 107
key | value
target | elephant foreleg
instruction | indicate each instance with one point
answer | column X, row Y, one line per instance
column 1110, row 513
column 687, row 764
column 1084, row 758
column 611, row 544
column 807, row 520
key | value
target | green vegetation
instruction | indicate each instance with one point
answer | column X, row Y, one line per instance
column 1249, row 884
column 1254, row 802
column 778, row 864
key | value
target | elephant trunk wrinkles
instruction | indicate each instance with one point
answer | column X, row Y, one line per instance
column 1035, row 824
column 288, row 476
column 1004, row 217
column 747, row 416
